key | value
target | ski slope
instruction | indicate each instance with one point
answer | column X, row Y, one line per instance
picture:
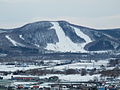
column 82, row 35
column 64, row 44
column 13, row 41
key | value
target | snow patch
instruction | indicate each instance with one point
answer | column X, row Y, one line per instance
column 13, row 41
column 77, row 77
column 37, row 45
column 21, row 37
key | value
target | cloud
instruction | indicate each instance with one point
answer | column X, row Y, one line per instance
column 91, row 13
column 106, row 22
column 13, row 1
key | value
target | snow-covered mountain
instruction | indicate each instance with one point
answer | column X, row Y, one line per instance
column 57, row 36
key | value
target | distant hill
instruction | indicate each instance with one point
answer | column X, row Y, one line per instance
column 57, row 37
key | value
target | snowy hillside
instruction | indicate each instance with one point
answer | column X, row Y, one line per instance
column 57, row 36
column 65, row 44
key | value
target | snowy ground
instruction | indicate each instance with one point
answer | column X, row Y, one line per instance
column 51, row 65
column 80, row 65
column 23, row 83
column 12, row 68
column 72, row 77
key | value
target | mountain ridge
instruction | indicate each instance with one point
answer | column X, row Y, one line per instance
column 57, row 36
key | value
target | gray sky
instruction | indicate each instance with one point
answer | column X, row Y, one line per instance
column 91, row 13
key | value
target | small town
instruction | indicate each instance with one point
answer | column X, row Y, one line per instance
column 61, row 75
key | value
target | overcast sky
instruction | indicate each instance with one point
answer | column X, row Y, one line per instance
column 91, row 13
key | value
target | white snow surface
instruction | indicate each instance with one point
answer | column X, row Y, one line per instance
column 13, row 41
column 65, row 44
column 73, row 77
column 77, row 77
column 80, row 65
column 37, row 45
column 21, row 37
column 13, row 68
column 9, row 76
column 23, row 83
column 82, row 35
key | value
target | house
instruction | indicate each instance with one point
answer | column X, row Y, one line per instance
column 25, row 78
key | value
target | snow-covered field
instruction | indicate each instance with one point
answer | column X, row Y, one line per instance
column 72, row 77
column 80, row 65
column 12, row 68
column 51, row 65
column 25, row 83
